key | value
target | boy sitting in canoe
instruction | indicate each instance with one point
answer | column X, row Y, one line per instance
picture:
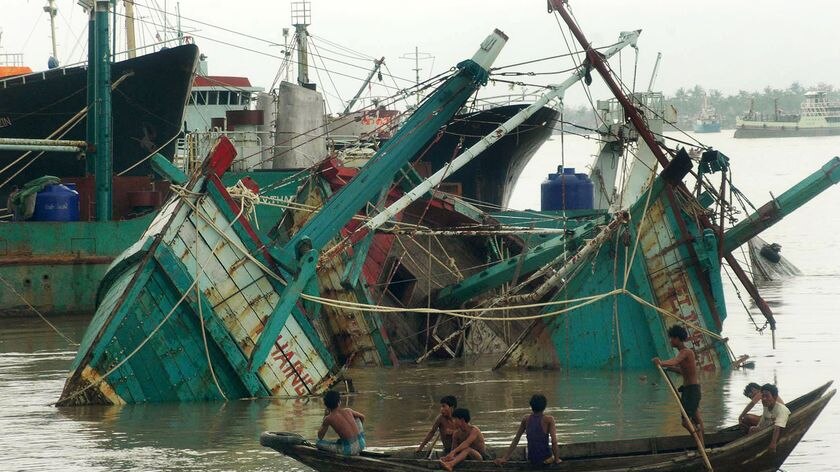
column 775, row 414
column 467, row 442
column 537, row 428
column 346, row 423
column 753, row 392
column 443, row 424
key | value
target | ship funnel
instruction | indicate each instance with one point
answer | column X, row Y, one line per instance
column 490, row 49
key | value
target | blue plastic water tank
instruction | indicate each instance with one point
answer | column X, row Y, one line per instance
column 56, row 203
column 566, row 190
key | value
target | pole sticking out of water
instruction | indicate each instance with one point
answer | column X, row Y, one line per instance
column 700, row 448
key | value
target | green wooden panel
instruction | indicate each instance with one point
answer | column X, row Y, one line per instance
column 216, row 330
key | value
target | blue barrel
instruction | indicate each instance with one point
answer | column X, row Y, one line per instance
column 56, row 203
column 567, row 190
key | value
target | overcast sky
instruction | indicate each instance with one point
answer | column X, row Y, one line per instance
column 727, row 45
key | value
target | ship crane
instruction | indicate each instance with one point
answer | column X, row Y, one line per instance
column 655, row 71
column 377, row 63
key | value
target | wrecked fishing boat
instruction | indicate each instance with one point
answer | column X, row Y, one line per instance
column 603, row 294
column 203, row 307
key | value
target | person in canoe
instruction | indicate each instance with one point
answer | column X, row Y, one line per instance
column 775, row 414
column 753, row 392
column 467, row 442
column 538, row 427
column 685, row 364
column 444, row 424
column 347, row 423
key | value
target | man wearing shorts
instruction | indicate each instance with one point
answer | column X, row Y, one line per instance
column 346, row 422
column 685, row 364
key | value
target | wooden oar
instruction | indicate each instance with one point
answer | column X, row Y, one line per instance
column 434, row 443
column 688, row 420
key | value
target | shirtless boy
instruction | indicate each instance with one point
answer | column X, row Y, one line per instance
column 467, row 442
column 346, row 423
column 685, row 364
column 443, row 424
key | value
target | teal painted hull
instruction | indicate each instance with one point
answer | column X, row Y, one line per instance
column 707, row 127
column 56, row 267
column 179, row 313
column 618, row 331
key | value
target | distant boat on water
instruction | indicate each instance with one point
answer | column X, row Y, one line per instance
column 708, row 120
column 817, row 117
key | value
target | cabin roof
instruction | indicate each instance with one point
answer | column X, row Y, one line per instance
column 221, row 81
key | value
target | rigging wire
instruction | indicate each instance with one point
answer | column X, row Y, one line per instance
column 246, row 35
column 329, row 76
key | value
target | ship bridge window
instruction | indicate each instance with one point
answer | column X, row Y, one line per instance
column 246, row 99
column 224, row 97
column 234, row 98
column 200, row 98
column 213, row 98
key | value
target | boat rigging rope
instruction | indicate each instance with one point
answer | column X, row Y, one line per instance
column 571, row 53
column 141, row 19
column 198, row 272
column 44, row 318
column 462, row 313
column 642, row 221
column 140, row 161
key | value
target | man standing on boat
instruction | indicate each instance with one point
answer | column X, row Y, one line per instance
column 775, row 414
column 685, row 364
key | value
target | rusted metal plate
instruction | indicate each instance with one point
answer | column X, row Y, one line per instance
column 669, row 278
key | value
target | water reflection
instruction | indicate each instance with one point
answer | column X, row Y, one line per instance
column 400, row 403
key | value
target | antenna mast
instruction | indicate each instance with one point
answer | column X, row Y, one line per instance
column 130, row 41
column 417, row 56
column 301, row 18
column 286, row 52
column 51, row 10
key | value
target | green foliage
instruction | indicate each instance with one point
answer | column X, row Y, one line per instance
column 688, row 102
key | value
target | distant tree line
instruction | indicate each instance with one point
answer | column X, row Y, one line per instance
column 689, row 101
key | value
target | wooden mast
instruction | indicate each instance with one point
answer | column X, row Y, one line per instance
column 638, row 122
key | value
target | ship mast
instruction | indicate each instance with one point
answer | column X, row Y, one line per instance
column 655, row 71
column 50, row 9
column 377, row 63
column 130, row 41
column 301, row 17
column 99, row 122
column 644, row 132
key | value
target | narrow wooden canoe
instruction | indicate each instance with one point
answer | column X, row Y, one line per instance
column 728, row 450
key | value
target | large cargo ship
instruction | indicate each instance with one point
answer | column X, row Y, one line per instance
column 818, row 117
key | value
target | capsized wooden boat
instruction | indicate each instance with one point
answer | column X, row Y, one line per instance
column 728, row 450
column 204, row 307
column 179, row 311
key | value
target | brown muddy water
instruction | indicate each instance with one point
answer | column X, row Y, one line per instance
column 401, row 403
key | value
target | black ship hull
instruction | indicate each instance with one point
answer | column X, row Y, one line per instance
column 148, row 107
column 490, row 178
